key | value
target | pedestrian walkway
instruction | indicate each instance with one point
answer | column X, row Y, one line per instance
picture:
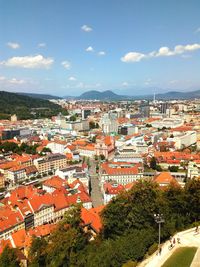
column 97, row 199
column 196, row 260
column 188, row 238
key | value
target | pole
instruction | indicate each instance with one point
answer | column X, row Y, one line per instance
column 159, row 226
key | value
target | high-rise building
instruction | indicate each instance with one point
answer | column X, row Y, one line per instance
column 145, row 110
column 164, row 107
column 109, row 123
column 86, row 113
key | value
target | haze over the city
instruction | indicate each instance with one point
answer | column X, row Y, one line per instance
column 69, row 47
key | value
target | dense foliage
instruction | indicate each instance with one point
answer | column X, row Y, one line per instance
column 6, row 147
column 26, row 107
column 129, row 232
column 8, row 258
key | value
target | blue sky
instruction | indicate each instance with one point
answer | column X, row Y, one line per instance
column 67, row 47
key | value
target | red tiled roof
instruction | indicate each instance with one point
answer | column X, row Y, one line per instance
column 165, row 178
column 55, row 182
column 92, row 217
column 113, row 189
column 119, row 168
column 9, row 218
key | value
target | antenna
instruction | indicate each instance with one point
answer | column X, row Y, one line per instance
column 154, row 98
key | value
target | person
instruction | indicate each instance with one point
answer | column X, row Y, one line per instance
column 174, row 241
column 178, row 240
column 160, row 250
column 197, row 229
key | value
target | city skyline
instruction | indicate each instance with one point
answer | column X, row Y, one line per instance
column 129, row 47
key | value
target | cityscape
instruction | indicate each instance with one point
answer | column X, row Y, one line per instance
column 99, row 133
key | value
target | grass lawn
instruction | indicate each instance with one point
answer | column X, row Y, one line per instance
column 182, row 257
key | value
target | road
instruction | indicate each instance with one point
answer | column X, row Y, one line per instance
column 96, row 194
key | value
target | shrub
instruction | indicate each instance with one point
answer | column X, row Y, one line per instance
column 130, row 264
column 152, row 248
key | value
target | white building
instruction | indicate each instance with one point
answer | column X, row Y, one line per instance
column 168, row 123
column 109, row 123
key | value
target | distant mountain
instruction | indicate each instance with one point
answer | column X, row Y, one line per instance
column 109, row 95
column 178, row 95
column 96, row 95
column 40, row 96
column 26, row 107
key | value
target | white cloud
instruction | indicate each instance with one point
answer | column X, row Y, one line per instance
column 16, row 81
column 42, row 45
column 12, row 81
column 89, row 49
column 162, row 52
column 132, row 57
column 66, row 64
column 125, row 84
column 13, row 45
column 86, row 28
column 29, row 62
column 102, row 53
column 72, row 78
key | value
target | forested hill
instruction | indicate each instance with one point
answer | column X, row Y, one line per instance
column 26, row 107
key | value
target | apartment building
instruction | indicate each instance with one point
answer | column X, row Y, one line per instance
column 51, row 162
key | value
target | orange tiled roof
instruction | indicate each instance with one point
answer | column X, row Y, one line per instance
column 9, row 218
column 55, row 182
column 165, row 178
column 7, row 165
column 110, row 169
column 112, row 189
column 92, row 217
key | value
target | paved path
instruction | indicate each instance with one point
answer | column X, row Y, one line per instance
column 188, row 239
column 96, row 194
column 196, row 260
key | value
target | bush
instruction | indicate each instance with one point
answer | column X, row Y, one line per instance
column 152, row 248
column 130, row 264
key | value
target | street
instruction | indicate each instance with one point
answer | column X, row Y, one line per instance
column 96, row 195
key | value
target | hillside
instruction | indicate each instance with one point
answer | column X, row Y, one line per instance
column 179, row 95
column 109, row 95
column 106, row 95
column 26, row 107
column 40, row 96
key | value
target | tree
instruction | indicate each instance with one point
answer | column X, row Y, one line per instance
column 46, row 149
column 192, row 194
column 37, row 253
column 153, row 163
column 92, row 125
column 73, row 118
column 134, row 208
column 8, row 258
column 67, row 241
column 158, row 168
column 88, row 162
column 102, row 157
column 94, row 139
column 173, row 168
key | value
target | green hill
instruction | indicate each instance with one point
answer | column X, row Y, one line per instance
column 40, row 96
column 26, row 107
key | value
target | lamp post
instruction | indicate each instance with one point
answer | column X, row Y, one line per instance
column 159, row 219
